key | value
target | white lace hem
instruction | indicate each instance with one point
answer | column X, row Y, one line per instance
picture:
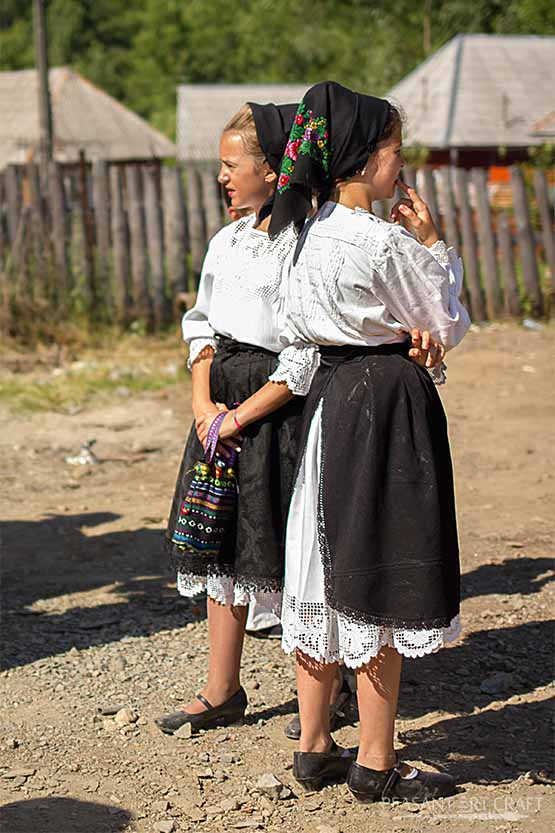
column 227, row 591
column 297, row 365
column 328, row 636
column 196, row 346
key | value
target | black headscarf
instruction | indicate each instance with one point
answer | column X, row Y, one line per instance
column 334, row 132
column 273, row 124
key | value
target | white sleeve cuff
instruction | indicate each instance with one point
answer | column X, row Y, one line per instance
column 196, row 346
column 297, row 365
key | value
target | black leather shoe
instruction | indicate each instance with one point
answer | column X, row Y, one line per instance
column 315, row 769
column 369, row 785
column 293, row 728
column 229, row 712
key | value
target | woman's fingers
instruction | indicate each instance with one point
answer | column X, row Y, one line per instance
column 417, row 202
column 416, row 337
column 226, row 449
column 395, row 208
column 436, row 354
column 410, row 216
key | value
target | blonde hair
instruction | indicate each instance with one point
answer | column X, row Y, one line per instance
column 243, row 123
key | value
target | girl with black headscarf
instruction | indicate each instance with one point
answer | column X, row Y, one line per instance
column 233, row 337
column 372, row 566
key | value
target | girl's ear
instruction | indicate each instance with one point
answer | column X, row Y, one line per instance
column 270, row 176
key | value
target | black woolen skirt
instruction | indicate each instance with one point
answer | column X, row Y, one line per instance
column 254, row 551
column 386, row 522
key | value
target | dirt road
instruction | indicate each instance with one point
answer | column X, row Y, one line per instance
column 91, row 619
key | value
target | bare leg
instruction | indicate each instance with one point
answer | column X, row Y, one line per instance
column 314, row 685
column 378, row 692
column 226, row 631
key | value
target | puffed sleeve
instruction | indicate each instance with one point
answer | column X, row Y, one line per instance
column 196, row 329
column 420, row 287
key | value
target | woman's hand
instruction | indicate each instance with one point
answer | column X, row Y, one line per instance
column 204, row 417
column 425, row 351
column 415, row 215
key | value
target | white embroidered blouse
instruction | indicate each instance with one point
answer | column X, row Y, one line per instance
column 242, row 293
column 360, row 280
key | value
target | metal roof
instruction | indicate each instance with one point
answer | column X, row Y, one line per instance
column 203, row 109
column 479, row 91
column 84, row 117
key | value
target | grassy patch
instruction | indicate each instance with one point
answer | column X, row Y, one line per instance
column 116, row 371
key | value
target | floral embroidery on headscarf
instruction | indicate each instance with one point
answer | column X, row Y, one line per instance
column 309, row 136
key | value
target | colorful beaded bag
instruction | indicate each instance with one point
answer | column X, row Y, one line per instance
column 208, row 510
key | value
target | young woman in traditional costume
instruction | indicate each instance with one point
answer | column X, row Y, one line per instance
column 372, row 563
column 233, row 337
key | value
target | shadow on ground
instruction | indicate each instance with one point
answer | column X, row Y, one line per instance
column 55, row 557
column 494, row 746
column 62, row 815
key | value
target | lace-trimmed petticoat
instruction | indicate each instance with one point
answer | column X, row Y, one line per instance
column 372, row 553
column 251, row 562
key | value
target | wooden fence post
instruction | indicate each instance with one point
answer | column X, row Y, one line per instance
column 3, row 240
column 211, row 201
column 101, row 202
column 60, row 228
column 39, row 275
column 547, row 225
column 155, row 239
column 175, row 228
column 13, row 200
column 449, row 210
column 526, row 241
column 142, row 304
column 87, row 232
column 197, row 236
column 506, row 250
column 494, row 304
column 120, row 238
column 409, row 176
column 449, row 213
column 429, row 194
column 471, row 269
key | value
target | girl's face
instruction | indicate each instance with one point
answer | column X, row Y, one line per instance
column 248, row 185
column 383, row 167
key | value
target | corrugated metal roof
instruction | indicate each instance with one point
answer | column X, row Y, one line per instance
column 84, row 117
column 479, row 91
column 203, row 109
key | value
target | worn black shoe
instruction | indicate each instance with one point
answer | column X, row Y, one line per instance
column 232, row 711
column 369, row 785
column 313, row 770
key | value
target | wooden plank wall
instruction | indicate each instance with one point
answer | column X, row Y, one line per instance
column 129, row 240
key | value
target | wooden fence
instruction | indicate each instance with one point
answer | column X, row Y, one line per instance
column 123, row 242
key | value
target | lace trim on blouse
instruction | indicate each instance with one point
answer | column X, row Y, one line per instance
column 297, row 365
column 196, row 346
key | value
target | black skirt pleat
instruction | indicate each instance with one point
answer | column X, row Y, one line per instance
column 253, row 552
